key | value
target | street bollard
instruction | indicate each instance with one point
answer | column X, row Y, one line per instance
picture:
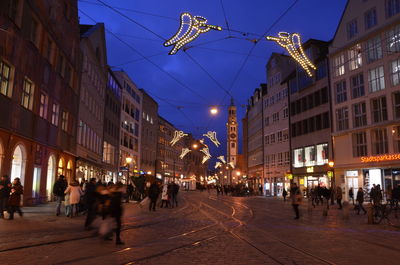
column 370, row 214
column 345, row 210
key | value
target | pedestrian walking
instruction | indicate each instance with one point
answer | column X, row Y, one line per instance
column 339, row 197
column 129, row 192
column 154, row 192
column 5, row 189
column 327, row 193
column 296, row 197
column 351, row 194
column 59, row 188
column 164, row 196
column 116, row 210
column 89, row 199
column 360, row 201
column 284, row 194
column 75, row 193
column 14, row 201
column 175, row 190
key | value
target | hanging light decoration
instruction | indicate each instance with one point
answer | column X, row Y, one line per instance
column 218, row 164
column 184, row 152
column 177, row 136
column 206, row 153
column 232, row 165
column 222, row 158
column 213, row 137
column 292, row 43
column 191, row 27
column 214, row 110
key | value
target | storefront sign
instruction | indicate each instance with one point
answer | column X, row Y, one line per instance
column 289, row 176
column 329, row 173
column 351, row 173
column 302, row 181
column 366, row 159
column 310, row 170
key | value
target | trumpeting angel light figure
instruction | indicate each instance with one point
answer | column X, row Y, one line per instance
column 213, row 137
column 206, row 153
column 232, row 165
column 177, row 136
column 292, row 43
column 184, row 152
column 222, row 158
column 218, row 164
column 191, row 27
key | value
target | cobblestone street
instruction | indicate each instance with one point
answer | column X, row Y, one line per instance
column 204, row 229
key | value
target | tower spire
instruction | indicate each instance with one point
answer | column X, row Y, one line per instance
column 232, row 102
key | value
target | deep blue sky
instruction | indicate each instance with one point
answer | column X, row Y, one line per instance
column 222, row 59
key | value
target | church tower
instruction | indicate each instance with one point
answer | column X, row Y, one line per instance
column 232, row 135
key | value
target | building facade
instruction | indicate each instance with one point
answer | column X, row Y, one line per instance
column 310, row 120
column 39, row 93
column 365, row 71
column 232, row 141
column 131, row 120
column 255, row 145
column 276, row 125
column 89, row 147
column 112, row 128
column 149, row 138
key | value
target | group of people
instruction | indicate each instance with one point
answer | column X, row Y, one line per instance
column 10, row 197
column 97, row 199
column 169, row 195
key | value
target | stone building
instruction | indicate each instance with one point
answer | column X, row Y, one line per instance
column 365, row 81
column 89, row 147
column 39, row 93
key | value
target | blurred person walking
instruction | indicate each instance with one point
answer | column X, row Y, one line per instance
column 175, row 190
column 59, row 188
column 360, row 201
column 75, row 193
column 89, row 199
column 154, row 192
column 15, row 198
column 339, row 197
column 5, row 189
column 296, row 197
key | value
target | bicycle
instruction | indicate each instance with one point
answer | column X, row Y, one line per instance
column 387, row 211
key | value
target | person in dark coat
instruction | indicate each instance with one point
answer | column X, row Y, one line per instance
column 90, row 202
column 59, row 188
column 339, row 197
column 351, row 194
column 175, row 190
column 116, row 210
column 360, row 201
column 295, row 195
column 129, row 192
column 284, row 194
column 5, row 188
column 154, row 192
column 327, row 193
column 15, row 198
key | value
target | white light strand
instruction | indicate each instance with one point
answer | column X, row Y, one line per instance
column 232, row 165
column 218, row 164
column 292, row 43
column 222, row 158
column 184, row 152
column 213, row 137
column 190, row 28
column 177, row 136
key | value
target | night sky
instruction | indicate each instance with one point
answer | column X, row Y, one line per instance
column 211, row 66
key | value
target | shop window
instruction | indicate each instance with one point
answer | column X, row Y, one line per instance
column 359, row 114
column 357, row 86
column 379, row 109
column 370, row 18
column 27, row 94
column 309, row 156
column 374, row 49
column 379, row 141
column 322, row 154
column 298, row 157
column 396, row 105
column 5, row 74
column 342, row 119
column 359, row 144
column 355, row 57
column 396, row 138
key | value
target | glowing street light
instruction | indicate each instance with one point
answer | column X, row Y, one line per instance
column 195, row 146
column 331, row 163
column 128, row 159
column 214, row 110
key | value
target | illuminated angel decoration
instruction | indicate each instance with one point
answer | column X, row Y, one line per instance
column 218, row 164
column 213, row 137
column 191, row 27
column 232, row 165
column 292, row 43
column 222, row 158
column 206, row 153
column 184, row 152
column 177, row 136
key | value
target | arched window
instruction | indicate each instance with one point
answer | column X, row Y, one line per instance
column 233, row 145
column 61, row 167
column 18, row 163
column 51, row 175
column 69, row 170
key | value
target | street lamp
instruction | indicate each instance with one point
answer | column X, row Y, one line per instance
column 195, row 146
column 214, row 110
column 128, row 161
column 331, row 164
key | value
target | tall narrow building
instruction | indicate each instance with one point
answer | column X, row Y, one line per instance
column 232, row 138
